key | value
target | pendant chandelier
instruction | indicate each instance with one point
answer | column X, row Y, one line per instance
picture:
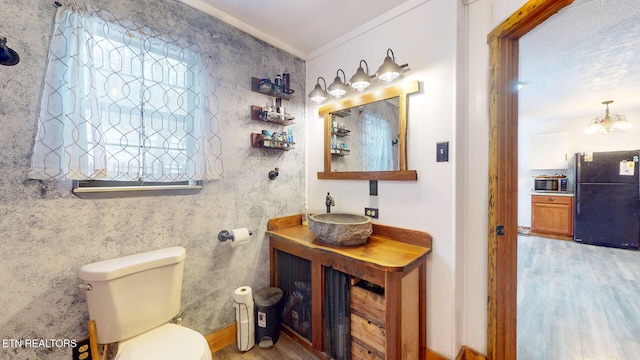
column 608, row 123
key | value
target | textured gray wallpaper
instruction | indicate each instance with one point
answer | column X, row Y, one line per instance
column 47, row 234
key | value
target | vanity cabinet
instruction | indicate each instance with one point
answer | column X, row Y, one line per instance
column 387, row 292
column 552, row 216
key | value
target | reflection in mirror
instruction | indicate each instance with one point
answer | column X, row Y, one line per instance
column 365, row 138
column 365, row 135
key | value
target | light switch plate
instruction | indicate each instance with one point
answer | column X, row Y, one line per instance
column 442, row 151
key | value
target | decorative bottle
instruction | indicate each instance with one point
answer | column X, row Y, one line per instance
column 305, row 216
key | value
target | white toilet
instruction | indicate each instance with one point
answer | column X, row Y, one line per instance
column 133, row 298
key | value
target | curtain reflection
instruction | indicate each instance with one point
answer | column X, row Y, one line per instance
column 372, row 141
column 376, row 143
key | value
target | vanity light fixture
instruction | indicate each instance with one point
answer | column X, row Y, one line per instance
column 337, row 89
column 390, row 70
column 318, row 95
column 8, row 57
column 361, row 79
column 607, row 123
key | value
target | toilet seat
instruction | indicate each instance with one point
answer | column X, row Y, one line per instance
column 166, row 342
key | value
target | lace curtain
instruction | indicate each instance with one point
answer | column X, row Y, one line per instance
column 122, row 102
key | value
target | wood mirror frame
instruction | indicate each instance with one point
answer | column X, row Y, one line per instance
column 503, row 173
column 400, row 91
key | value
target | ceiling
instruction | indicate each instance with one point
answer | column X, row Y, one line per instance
column 587, row 53
column 301, row 27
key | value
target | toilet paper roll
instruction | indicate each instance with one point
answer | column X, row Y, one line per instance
column 240, row 237
column 243, row 304
column 243, row 295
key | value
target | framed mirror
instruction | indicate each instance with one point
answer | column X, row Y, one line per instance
column 365, row 135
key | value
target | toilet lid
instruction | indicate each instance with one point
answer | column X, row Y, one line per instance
column 167, row 342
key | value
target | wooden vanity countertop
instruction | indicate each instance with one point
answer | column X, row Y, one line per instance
column 388, row 248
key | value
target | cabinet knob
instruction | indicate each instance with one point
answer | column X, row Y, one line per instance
column 551, row 199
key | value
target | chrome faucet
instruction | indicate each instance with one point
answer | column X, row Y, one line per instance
column 329, row 202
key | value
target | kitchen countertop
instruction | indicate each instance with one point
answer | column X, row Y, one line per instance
column 544, row 193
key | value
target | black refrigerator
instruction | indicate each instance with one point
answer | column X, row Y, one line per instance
column 607, row 199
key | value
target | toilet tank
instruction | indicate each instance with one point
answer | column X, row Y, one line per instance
column 133, row 294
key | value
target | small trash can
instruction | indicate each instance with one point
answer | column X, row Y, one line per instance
column 267, row 302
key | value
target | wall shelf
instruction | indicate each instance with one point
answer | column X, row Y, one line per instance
column 277, row 141
column 340, row 152
column 271, row 116
column 255, row 86
column 259, row 141
column 341, row 132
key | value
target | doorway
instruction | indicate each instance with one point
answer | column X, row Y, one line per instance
column 565, row 302
column 503, row 173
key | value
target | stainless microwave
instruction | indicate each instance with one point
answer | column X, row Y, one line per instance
column 549, row 184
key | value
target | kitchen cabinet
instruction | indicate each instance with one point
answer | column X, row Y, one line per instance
column 387, row 292
column 549, row 151
column 552, row 216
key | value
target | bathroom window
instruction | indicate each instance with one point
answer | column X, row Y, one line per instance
column 124, row 106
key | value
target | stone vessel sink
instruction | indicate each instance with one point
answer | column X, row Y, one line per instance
column 341, row 229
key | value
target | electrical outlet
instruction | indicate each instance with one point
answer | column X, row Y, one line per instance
column 82, row 350
column 371, row 212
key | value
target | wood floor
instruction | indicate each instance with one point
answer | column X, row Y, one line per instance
column 285, row 349
column 577, row 301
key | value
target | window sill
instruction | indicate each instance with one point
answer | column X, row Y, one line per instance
column 110, row 192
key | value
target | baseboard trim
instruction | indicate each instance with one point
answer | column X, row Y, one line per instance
column 222, row 338
column 226, row 336
column 467, row 353
column 551, row 236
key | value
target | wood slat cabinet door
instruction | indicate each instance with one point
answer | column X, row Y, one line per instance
column 368, row 331
column 552, row 215
column 360, row 352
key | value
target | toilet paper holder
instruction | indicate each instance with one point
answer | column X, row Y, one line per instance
column 225, row 235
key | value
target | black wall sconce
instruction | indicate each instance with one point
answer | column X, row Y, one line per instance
column 8, row 57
